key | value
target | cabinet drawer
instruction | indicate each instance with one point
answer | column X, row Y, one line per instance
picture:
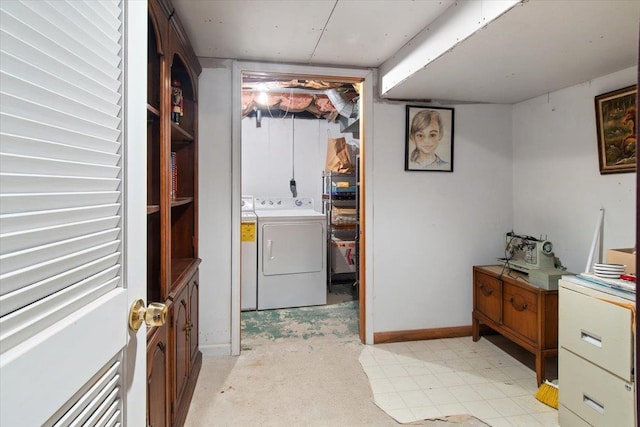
column 586, row 328
column 520, row 311
column 595, row 395
column 566, row 418
column 488, row 294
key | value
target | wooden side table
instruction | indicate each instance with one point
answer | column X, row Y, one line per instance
column 521, row 312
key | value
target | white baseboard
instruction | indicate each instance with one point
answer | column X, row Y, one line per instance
column 214, row 350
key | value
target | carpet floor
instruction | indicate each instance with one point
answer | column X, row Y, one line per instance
column 337, row 321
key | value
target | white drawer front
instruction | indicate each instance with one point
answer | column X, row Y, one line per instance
column 597, row 330
column 566, row 418
column 593, row 394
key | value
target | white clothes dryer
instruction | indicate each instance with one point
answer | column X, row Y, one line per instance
column 292, row 270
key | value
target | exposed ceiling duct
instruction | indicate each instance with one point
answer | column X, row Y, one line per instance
column 349, row 113
column 332, row 100
column 344, row 106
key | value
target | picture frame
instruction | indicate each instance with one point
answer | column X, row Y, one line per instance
column 616, row 127
column 429, row 139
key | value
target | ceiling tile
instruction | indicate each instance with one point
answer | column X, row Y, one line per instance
column 285, row 31
column 367, row 32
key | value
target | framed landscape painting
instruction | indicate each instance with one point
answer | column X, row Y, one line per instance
column 616, row 125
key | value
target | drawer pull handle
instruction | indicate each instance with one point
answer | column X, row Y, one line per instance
column 486, row 291
column 522, row 307
column 593, row 404
column 591, row 339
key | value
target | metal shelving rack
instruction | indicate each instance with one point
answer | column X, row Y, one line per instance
column 334, row 198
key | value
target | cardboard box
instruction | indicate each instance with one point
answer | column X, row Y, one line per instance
column 343, row 256
column 626, row 256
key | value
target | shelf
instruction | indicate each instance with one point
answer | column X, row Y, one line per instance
column 336, row 174
column 179, row 134
column 343, row 226
column 151, row 209
column 152, row 112
column 181, row 201
column 344, row 196
column 182, row 269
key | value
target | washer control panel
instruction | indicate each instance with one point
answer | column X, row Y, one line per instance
column 283, row 203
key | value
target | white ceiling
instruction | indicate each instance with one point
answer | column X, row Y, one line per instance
column 536, row 47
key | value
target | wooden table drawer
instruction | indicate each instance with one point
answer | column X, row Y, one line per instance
column 520, row 311
column 595, row 395
column 585, row 329
column 488, row 291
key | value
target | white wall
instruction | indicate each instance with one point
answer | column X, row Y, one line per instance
column 558, row 189
column 266, row 156
column 531, row 167
column 430, row 228
column 214, row 186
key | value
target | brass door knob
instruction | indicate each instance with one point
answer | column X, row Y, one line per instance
column 153, row 315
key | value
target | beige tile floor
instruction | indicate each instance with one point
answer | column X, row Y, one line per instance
column 428, row 379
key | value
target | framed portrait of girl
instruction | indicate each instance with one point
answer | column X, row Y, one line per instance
column 429, row 139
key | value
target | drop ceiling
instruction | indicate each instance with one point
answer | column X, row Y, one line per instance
column 533, row 48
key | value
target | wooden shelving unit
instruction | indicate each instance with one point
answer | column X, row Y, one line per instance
column 173, row 358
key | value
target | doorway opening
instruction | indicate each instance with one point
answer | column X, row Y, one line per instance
column 301, row 144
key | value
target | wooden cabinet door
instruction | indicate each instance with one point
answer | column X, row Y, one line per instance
column 488, row 296
column 158, row 398
column 520, row 312
column 180, row 339
column 194, row 295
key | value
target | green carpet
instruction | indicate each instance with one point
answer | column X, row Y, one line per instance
column 336, row 321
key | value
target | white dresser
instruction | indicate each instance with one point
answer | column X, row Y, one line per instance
column 596, row 355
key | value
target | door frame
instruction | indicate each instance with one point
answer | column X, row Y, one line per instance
column 366, row 130
column 134, row 183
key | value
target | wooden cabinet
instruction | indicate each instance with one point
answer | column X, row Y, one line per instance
column 596, row 359
column 172, row 214
column 159, row 401
column 186, row 358
column 523, row 313
column 180, row 340
column 488, row 300
column 194, row 297
column 520, row 311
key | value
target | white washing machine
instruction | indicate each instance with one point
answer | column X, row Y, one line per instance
column 249, row 258
column 292, row 270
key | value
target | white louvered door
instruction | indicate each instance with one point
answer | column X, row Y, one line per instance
column 72, row 211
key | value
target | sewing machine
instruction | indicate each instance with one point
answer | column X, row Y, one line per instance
column 533, row 257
